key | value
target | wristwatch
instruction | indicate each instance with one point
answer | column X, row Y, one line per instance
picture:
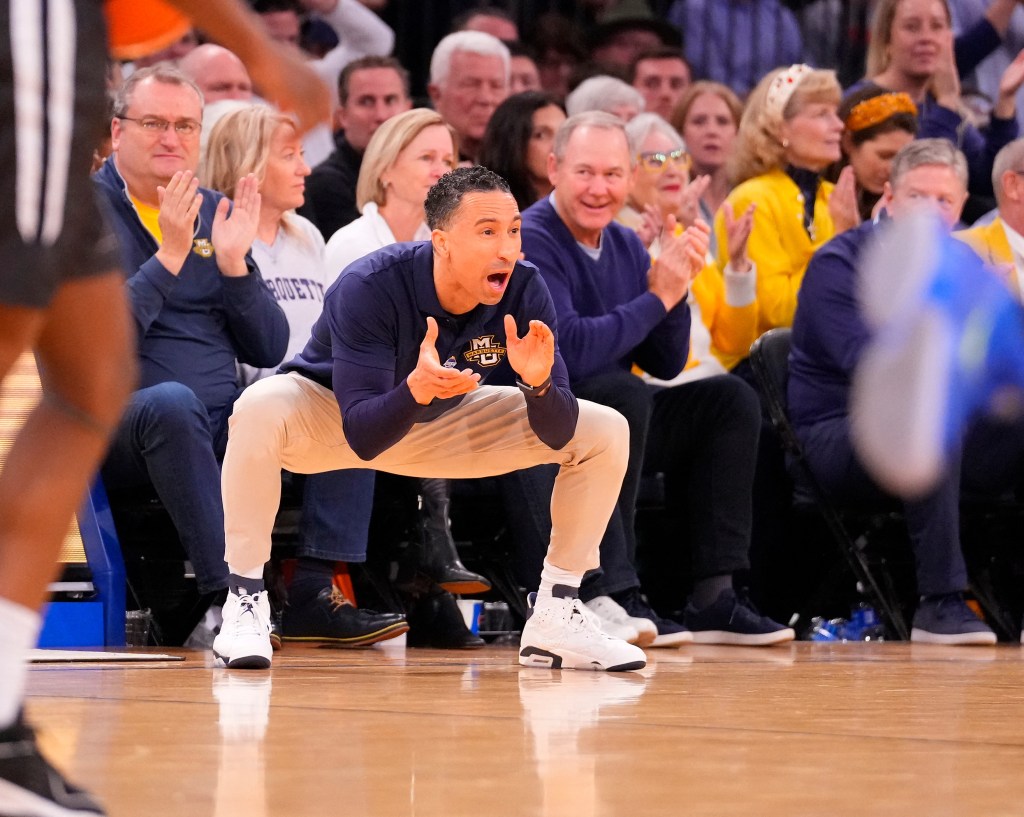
column 534, row 391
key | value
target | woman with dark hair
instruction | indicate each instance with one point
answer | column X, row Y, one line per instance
column 877, row 123
column 517, row 143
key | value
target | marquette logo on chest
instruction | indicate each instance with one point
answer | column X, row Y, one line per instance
column 202, row 247
column 484, row 351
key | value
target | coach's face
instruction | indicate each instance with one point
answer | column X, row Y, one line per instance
column 474, row 256
column 152, row 142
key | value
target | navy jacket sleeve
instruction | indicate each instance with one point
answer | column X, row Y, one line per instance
column 376, row 410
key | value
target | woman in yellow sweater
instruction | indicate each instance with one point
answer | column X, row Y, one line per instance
column 789, row 134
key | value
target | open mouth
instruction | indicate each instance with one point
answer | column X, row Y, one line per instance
column 497, row 280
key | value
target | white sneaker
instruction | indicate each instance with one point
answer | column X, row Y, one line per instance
column 619, row 624
column 244, row 638
column 561, row 633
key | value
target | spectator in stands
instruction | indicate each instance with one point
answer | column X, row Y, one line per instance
column 615, row 309
column 708, row 119
column 405, row 158
column 877, row 124
column 621, row 38
column 661, row 182
column 790, row 133
column 723, row 309
column 524, row 75
column 199, row 303
column 604, row 93
column 1001, row 242
column 361, row 33
column 912, row 51
column 289, row 250
column 517, row 143
column 371, row 90
column 559, row 53
column 737, row 42
column 829, row 336
column 662, row 77
column 218, row 73
column 469, row 75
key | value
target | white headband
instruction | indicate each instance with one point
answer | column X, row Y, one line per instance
column 782, row 88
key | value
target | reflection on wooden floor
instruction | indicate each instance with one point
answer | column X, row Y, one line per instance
column 806, row 729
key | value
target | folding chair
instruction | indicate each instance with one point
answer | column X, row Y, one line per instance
column 769, row 359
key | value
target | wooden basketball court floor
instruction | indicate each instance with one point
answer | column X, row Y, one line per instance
column 805, row 729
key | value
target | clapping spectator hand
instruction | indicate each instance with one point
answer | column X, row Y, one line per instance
column 737, row 231
column 842, row 205
column 1009, row 84
column 689, row 208
column 232, row 234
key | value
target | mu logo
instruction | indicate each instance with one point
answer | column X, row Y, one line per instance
column 484, row 351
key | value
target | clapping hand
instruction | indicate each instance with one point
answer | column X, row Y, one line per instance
column 532, row 355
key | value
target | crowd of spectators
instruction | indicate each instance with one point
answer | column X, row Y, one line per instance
column 722, row 116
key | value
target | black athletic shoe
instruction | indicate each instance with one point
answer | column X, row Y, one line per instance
column 332, row 617
column 30, row 786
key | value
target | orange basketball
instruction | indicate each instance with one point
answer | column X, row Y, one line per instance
column 136, row 28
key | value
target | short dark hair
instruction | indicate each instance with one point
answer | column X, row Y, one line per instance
column 364, row 63
column 664, row 52
column 446, row 195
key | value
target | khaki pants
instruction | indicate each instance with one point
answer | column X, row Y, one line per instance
column 289, row 421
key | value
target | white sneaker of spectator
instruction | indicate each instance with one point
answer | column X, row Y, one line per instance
column 615, row 621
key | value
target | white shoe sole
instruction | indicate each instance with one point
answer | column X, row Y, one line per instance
column 255, row 660
column 673, row 639
column 981, row 639
column 743, row 640
column 533, row 656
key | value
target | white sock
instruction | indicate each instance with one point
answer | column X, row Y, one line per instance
column 19, row 632
column 552, row 576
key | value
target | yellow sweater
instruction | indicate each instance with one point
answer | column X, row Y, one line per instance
column 779, row 245
column 990, row 242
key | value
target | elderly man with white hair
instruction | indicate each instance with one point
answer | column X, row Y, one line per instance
column 469, row 78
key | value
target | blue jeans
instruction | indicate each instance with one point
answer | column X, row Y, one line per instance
column 336, row 508
column 166, row 441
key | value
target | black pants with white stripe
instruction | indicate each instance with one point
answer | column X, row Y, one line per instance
column 53, row 113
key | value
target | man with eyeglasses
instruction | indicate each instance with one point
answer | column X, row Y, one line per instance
column 199, row 304
column 617, row 309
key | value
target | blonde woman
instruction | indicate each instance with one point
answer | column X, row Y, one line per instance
column 789, row 134
column 336, row 505
column 708, row 119
column 912, row 52
column 403, row 160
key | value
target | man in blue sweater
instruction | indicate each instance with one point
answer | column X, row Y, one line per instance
column 830, row 337
column 392, row 379
column 198, row 303
column 615, row 310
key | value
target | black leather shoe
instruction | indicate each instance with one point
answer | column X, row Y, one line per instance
column 331, row 617
column 435, row 555
column 436, row 621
